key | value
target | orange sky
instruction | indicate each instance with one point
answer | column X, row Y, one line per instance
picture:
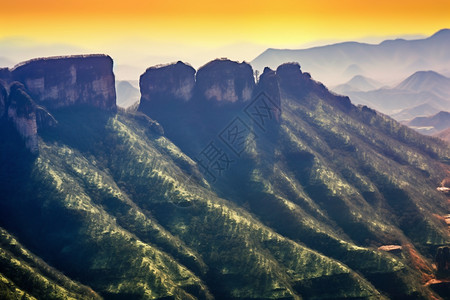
column 274, row 22
column 139, row 34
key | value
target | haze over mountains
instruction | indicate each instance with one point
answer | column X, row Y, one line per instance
column 387, row 62
column 402, row 78
column 217, row 186
column 421, row 94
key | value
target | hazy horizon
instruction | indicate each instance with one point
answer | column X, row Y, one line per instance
column 141, row 34
column 132, row 58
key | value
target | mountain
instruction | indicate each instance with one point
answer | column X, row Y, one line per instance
column 427, row 81
column 386, row 62
column 127, row 94
column 395, row 102
column 357, row 83
column 217, row 187
column 421, row 94
column 444, row 135
column 431, row 125
column 422, row 110
column 25, row 276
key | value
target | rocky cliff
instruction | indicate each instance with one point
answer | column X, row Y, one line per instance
column 22, row 114
column 296, row 82
column 443, row 261
column 3, row 98
column 58, row 82
column 41, row 85
column 5, row 74
column 225, row 81
column 175, row 81
column 221, row 80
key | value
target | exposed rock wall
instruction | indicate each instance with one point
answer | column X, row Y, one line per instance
column 5, row 74
column 175, row 81
column 443, row 260
column 66, row 81
column 3, row 98
column 296, row 82
column 22, row 114
column 225, row 81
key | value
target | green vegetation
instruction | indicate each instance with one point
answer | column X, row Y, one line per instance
column 119, row 208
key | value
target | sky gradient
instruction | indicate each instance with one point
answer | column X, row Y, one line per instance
column 147, row 32
column 280, row 22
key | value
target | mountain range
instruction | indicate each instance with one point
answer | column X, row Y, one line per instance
column 215, row 186
column 431, row 125
column 421, row 94
column 402, row 78
column 387, row 62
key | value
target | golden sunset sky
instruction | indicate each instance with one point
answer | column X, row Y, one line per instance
column 181, row 28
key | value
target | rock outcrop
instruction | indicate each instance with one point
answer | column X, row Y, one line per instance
column 293, row 79
column 3, row 98
column 44, row 119
column 269, row 85
column 298, row 83
column 224, row 80
column 396, row 249
column 58, row 82
column 22, row 114
column 5, row 74
column 443, row 260
column 175, row 81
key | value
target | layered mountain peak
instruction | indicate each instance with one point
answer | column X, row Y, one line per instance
column 423, row 80
column 57, row 82
column 443, row 33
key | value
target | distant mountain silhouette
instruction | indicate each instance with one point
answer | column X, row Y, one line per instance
column 358, row 83
column 421, row 94
column 431, row 125
column 422, row 110
column 444, row 135
column 126, row 93
column 388, row 61
column 427, row 81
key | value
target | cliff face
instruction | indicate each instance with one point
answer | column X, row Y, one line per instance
column 65, row 81
column 5, row 74
column 3, row 98
column 225, row 81
column 22, row 114
column 175, row 81
column 295, row 82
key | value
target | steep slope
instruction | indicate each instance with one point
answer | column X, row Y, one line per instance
column 325, row 173
column 269, row 190
column 24, row 276
column 120, row 221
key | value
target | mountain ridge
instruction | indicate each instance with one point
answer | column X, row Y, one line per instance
column 306, row 188
column 395, row 59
